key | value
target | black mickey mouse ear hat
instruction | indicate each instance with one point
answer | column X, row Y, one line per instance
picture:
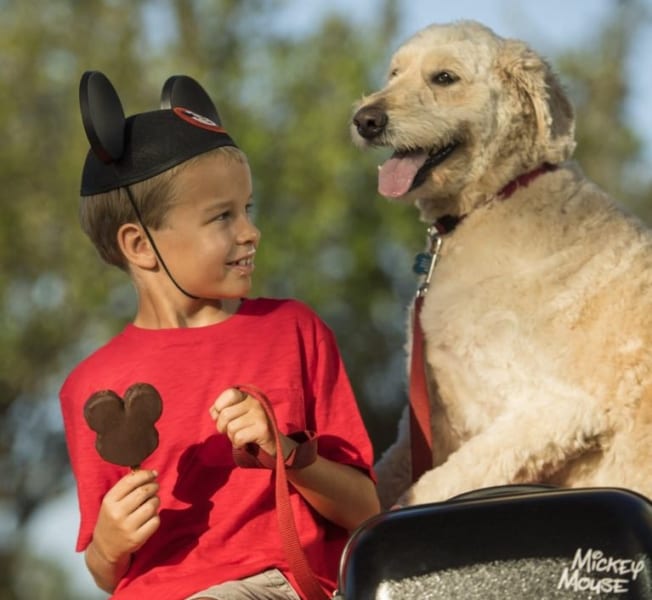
column 127, row 150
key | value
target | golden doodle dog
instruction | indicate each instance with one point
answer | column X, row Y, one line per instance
column 538, row 319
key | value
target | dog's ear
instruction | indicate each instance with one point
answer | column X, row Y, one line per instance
column 538, row 85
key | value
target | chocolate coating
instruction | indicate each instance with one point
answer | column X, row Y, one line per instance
column 125, row 429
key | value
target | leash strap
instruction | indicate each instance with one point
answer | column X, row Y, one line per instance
column 295, row 555
column 420, row 428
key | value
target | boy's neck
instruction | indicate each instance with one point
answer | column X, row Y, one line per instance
column 191, row 313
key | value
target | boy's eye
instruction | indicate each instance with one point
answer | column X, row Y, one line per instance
column 231, row 214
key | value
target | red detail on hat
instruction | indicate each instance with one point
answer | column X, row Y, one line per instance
column 197, row 120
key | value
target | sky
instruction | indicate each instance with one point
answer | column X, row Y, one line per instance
column 549, row 27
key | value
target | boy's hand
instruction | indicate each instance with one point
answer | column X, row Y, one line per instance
column 128, row 516
column 243, row 420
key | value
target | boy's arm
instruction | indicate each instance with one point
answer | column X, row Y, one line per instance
column 128, row 517
column 341, row 493
column 106, row 573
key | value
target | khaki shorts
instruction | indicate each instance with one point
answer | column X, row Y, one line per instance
column 271, row 585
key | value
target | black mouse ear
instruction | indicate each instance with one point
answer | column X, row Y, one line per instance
column 102, row 116
column 184, row 92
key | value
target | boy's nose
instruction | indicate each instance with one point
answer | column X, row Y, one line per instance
column 249, row 234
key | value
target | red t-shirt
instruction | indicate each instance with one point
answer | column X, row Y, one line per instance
column 218, row 521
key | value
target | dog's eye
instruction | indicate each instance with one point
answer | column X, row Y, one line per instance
column 444, row 78
column 393, row 73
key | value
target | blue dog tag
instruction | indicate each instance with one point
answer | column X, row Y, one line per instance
column 422, row 263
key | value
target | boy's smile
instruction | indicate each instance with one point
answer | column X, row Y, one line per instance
column 245, row 264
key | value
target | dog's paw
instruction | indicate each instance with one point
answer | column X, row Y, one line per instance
column 416, row 495
column 433, row 486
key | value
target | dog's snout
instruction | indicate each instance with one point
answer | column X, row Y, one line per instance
column 370, row 121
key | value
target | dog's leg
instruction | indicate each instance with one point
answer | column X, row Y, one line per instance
column 520, row 448
column 394, row 468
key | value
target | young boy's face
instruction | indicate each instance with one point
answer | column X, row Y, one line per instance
column 208, row 239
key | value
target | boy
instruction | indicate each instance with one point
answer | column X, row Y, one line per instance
column 166, row 196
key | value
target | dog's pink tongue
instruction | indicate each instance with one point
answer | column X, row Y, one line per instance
column 397, row 174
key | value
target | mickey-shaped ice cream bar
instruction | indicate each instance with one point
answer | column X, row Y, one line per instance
column 125, row 429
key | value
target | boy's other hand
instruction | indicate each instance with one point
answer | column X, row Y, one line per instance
column 128, row 516
column 243, row 420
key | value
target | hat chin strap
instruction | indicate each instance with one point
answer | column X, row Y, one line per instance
column 156, row 251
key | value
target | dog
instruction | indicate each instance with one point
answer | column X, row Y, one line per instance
column 538, row 319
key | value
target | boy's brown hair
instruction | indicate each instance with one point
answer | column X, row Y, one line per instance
column 102, row 215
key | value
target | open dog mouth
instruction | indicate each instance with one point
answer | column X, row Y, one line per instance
column 407, row 170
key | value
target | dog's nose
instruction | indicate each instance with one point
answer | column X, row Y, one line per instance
column 370, row 121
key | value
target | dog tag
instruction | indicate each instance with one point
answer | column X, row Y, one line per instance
column 422, row 262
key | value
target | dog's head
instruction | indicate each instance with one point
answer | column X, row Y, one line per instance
column 465, row 112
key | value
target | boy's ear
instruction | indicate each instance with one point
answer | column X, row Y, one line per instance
column 136, row 247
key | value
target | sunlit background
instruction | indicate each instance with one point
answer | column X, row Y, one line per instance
column 284, row 75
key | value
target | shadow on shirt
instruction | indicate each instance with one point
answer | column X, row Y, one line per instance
column 202, row 469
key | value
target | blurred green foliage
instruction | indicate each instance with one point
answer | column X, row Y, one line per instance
column 328, row 238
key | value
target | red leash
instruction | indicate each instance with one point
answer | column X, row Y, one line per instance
column 295, row 555
column 420, row 428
